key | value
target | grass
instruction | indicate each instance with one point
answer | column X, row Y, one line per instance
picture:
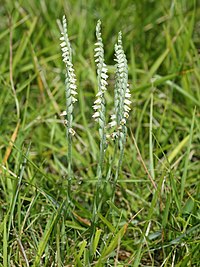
column 147, row 225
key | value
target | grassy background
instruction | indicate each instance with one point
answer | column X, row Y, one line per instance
column 161, row 40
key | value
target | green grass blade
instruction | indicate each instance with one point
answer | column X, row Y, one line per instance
column 156, row 65
column 45, row 238
column 106, row 222
column 151, row 140
column 5, row 243
column 178, row 149
column 96, row 240
column 183, row 180
column 112, row 246
column 82, row 249
column 23, row 44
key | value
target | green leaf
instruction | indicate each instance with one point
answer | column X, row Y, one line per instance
column 43, row 242
column 96, row 239
column 109, row 248
column 107, row 223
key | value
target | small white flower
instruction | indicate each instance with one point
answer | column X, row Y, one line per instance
column 73, row 92
column 98, row 101
column 100, row 93
column 95, row 107
column 72, row 132
column 103, row 88
column 126, row 115
column 74, row 99
column 103, row 83
column 127, row 95
column 98, row 44
column 127, row 102
column 127, row 108
column 64, row 49
column 96, row 115
column 63, row 44
column 112, row 124
column 123, row 122
column 97, row 49
column 104, row 69
column 104, row 76
column 113, row 116
column 64, row 113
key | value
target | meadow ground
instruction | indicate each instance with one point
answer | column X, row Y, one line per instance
column 144, row 226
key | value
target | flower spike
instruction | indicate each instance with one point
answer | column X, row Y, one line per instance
column 70, row 77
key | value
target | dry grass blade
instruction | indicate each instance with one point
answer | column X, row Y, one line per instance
column 10, row 146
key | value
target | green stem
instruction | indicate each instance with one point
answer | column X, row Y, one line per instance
column 69, row 158
column 98, row 194
column 69, row 155
column 121, row 155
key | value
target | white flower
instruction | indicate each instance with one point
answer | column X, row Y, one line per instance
column 127, row 108
column 95, row 107
column 112, row 123
column 123, row 122
column 72, row 132
column 64, row 113
column 96, row 115
column 127, row 102
column 126, row 115
column 98, row 101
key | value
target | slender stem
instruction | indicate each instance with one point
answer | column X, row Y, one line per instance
column 69, row 138
column 97, row 203
column 151, row 140
column 121, row 155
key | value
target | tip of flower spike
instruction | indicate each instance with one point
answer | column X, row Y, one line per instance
column 120, row 38
column 98, row 29
column 64, row 22
column 64, row 19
